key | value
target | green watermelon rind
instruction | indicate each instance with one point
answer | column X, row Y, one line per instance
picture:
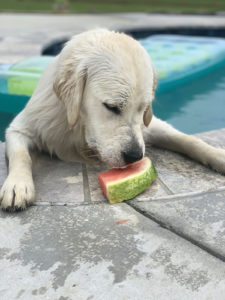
column 130, row 187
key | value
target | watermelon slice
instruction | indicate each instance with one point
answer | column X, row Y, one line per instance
column 123, row 184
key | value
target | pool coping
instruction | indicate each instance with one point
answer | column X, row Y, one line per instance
column 25, row 35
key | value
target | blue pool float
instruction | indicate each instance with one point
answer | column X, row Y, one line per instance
column 177, row 59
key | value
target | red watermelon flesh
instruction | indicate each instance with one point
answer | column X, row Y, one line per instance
column 123, row 184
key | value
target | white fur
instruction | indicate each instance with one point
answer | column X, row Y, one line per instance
column 66, row 114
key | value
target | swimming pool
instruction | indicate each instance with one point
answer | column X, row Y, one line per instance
column 5, row 119
column 196, row 106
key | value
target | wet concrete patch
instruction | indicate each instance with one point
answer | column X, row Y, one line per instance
column 89, row 252
column 89, row 235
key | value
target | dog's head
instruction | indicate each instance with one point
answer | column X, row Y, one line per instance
column 106, row 80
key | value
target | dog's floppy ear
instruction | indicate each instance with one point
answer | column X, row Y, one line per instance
column 147, row 115
column 148, row 112
column 69, row 87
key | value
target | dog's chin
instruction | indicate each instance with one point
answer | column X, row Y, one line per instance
column 112, row 163
column 92, row 154
column 116, row 165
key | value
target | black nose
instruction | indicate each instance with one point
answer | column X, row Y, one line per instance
column 132, row 156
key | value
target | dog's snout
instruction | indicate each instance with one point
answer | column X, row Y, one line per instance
column 132, row 155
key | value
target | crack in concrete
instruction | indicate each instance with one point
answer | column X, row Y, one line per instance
column 165, row 187
column 86, row 188
column 178, row 233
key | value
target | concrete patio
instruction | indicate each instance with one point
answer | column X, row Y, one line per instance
column 167, row 243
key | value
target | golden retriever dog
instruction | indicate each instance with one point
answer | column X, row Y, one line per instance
column 94, row 97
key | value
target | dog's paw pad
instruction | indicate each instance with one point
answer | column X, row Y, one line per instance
column 16, row 195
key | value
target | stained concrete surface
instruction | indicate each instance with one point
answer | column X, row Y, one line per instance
column 101, row 252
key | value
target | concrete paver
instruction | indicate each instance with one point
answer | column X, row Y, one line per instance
column 183, row 175
column 101, row 252
column 57, row 181
column 200, row 218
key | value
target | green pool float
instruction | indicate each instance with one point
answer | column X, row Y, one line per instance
column 18, row 81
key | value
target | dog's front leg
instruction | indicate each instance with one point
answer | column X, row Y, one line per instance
column 161, row 134
column 18, row 190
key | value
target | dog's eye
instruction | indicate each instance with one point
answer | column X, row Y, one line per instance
column 113, row 109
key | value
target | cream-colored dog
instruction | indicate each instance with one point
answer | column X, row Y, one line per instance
column 94, row 99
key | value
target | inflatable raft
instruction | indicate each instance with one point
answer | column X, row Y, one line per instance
column 179, row 59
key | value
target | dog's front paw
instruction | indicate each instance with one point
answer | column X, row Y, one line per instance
column 17, row 193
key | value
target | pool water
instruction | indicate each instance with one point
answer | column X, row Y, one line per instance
column 192, row 108
column 196, row 106
column 5, row 119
